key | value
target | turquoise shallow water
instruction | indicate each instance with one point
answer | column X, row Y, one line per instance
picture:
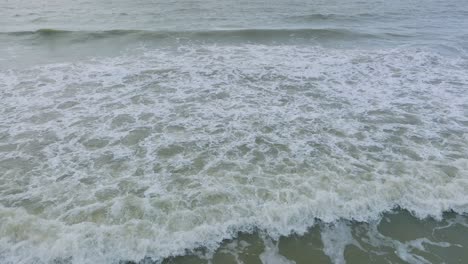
column 233, row 131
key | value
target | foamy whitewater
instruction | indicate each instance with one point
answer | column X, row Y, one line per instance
column 235, row 140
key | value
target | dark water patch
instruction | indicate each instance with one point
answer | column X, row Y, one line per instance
column 319, row 17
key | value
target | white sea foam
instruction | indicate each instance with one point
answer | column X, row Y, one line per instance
column 146, row 156
column 272, row 256
column 335, row 239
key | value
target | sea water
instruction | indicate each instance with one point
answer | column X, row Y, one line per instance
column 233, row 131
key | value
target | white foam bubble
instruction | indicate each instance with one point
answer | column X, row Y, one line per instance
column 335, row 239
column 272, row 256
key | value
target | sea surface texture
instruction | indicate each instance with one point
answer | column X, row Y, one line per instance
column 222, row 131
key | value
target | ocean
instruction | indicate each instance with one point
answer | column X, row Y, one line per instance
column 222, row 131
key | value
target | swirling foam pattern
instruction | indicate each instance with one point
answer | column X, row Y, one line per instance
column 155, row 152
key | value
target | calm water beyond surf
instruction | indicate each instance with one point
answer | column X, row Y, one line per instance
column 253, row 132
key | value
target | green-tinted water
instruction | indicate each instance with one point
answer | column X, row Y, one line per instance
column 233, row 131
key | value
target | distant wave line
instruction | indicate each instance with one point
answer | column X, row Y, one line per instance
column 217, row 33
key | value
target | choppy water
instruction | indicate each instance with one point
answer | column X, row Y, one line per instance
column 233, row 131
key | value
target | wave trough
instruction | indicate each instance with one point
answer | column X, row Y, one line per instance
column 251, row 34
